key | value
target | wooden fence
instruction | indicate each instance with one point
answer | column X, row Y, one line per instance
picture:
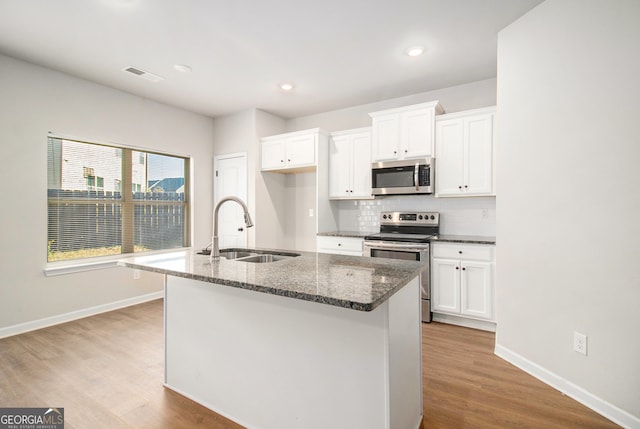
column 80, row 220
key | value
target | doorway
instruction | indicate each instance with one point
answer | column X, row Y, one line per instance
column 230, row 179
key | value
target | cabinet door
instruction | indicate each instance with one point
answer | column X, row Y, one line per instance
column 478, row 134
column 361, row 165
column 385, row 137
column 416, row 135
column 449, row 157
column 339, row 167
column 476, row 290
column 273, row 154
column 300, row 150
column 445, row 286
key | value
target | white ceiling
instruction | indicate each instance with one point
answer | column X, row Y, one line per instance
column 338, row 53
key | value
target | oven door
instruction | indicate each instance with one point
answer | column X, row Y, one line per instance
column 408, row 252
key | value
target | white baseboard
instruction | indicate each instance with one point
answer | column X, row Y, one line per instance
column 74, row 315
column 464, row 321
column 586, row 398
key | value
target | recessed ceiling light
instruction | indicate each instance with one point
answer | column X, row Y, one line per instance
column 286, row 86
column 415, row 51
column 182, row 68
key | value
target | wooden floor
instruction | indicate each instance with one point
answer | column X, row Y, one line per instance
column 106, row 371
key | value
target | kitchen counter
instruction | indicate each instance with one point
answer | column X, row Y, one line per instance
column 445, row 238
column 345, row 281
column 468, row 239
column 237, row 343
column 354, row 234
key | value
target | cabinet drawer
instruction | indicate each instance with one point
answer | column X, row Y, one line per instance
column 349, row 245
column 476, row 252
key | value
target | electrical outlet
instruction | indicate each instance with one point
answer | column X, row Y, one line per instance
column 136, row 274
column 485, row 213
column 580, row 343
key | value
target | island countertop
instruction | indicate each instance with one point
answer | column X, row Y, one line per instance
column 352, row 282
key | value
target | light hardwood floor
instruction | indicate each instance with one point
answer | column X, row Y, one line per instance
column 107, row 372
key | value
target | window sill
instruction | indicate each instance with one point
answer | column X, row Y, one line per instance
column 53, row 269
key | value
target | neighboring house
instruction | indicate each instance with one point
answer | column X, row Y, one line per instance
column 169, row 184
column 88, row 167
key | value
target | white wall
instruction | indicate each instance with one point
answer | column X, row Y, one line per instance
column 468, row 216
column 567, row 212
column 37, row 100
column 241, row 132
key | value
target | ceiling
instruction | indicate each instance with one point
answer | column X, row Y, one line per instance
column 337, row 53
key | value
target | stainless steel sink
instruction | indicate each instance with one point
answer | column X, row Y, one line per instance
column 236, row 255
column 257, row 257
column 261, row 259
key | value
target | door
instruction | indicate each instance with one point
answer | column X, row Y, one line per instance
column 449, row 157
column 417, row 133
column 361, row 165
column 339, row 166
column 475, row 289
column 385, row 137
column 445, row 285
column 230, row 179
column 478, row 132
column 273, row 154
column 300, row 150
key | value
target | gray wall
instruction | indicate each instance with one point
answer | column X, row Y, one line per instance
column 37, row 100
column 567, row 212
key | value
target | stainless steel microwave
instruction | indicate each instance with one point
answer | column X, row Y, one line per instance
column 409, row 176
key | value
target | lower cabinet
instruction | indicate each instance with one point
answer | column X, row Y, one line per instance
column 462, row 280
column 340, row 245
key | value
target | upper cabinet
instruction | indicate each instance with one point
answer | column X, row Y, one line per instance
column 350, row 164
column 290, row 152
column 405, row 132
column 464, row 153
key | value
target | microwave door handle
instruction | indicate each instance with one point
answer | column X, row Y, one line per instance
column 415, row 176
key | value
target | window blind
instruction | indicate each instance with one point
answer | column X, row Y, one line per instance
column 107, row 200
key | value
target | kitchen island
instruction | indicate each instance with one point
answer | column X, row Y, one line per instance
column 313, row 341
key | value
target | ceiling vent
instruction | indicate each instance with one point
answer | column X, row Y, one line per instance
column 143, row 74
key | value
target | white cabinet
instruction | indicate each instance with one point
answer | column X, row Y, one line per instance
column 462, row 280
column 350, row 164
column 464, row 153
column 340, row 245
column 405, row 132
column 290, row 152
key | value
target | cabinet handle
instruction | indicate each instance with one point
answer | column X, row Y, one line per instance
column 460, row 252
column 395, row 152
column 464, row 268
column 457, row 268
column 339, row 244
column 465, row 186
column 282, row 160
column 460, row 187
column 406, row 151
column 288, row 160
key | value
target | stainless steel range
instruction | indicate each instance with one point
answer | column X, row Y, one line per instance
column 406, row 235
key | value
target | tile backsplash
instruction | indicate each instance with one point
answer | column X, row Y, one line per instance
column 463, row 216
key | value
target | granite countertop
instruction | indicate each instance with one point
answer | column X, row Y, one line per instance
column 468, row 239
column 353, row 282
column 355, row 234
column 448, row 238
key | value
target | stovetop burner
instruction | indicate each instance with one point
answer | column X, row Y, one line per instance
column 407, row 227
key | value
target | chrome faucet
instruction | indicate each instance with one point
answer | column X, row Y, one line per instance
column 215, row 250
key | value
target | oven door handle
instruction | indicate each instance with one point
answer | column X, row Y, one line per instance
column 385, row 245
column 416, row 176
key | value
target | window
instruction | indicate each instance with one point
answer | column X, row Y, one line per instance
column 90, row 216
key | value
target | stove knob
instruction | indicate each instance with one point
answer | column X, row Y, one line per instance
column 384, row 216
column 432, row 217
column 420, row 217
